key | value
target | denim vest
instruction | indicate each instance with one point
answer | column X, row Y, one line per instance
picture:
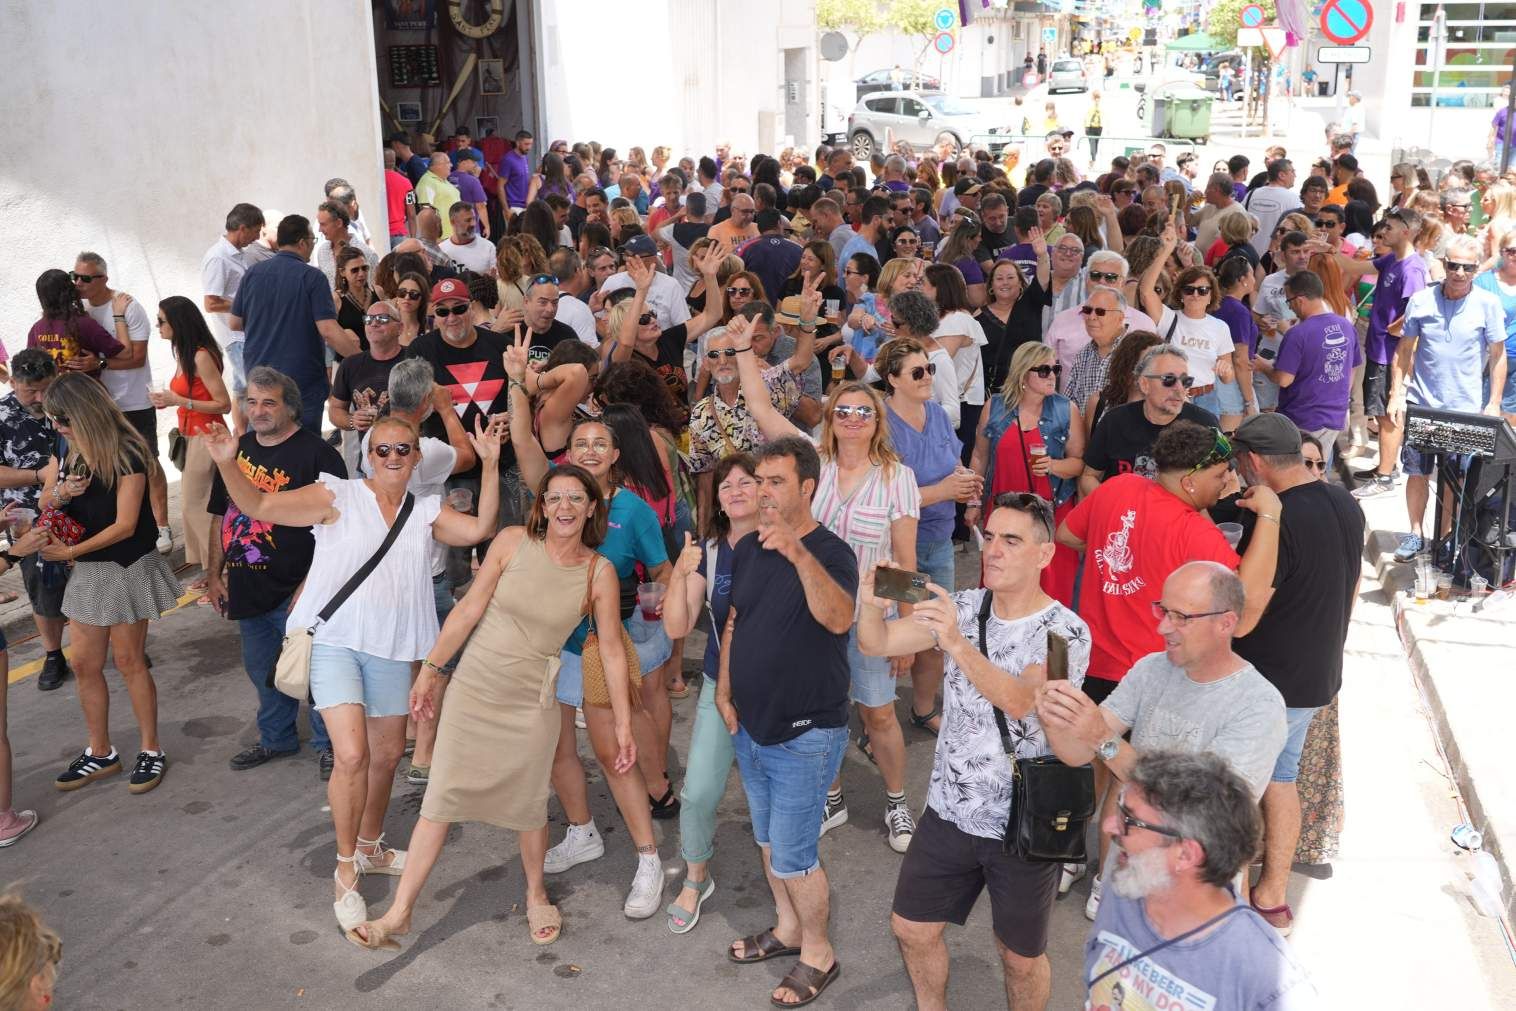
column 1053, row 424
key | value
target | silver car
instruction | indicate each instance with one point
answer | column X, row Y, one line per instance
column 921, row 118
column 1067, row 75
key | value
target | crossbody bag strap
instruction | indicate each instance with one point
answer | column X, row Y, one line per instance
column 368, row 567
column 984, row 620
column 1159, row 947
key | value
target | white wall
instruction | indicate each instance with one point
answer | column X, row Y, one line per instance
column 132, row 128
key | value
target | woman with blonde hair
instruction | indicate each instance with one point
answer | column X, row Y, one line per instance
column 29, row 957
column 866, row 496
column 1044, row 457
column 119, row 581
column 622, row 219
column 1499, row 206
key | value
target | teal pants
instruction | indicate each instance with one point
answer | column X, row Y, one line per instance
column 705, row 774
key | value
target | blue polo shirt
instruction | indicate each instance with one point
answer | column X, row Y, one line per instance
column 280, row 301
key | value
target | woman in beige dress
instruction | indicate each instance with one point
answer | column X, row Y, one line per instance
column 499, row 724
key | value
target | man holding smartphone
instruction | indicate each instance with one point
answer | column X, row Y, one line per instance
column 958, row 850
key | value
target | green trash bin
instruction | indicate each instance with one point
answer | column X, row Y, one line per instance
column 1160, row 121
column 1189, row 115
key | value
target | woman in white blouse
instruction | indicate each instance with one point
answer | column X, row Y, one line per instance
column 1186, row 321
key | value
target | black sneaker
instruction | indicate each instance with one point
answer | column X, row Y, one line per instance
column 325, row 761
column 148, row 772
column 255, row 756
column 55, row 671
column 86, row 769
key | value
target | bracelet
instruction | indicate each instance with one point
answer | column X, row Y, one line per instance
column 119, row 315
column 517, row 384
column 428, row 663
column 1271, row 519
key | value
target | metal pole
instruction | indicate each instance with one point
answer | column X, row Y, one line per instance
column 1510, row 118
column 1438, row 49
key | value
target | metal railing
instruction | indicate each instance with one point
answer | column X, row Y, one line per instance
column 1034, row 146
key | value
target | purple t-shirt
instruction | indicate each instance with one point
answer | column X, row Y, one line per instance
column 1499, row 123
column 1321, row 352
column 1239, row 320
column 1024, row 256
column 518, row 177
column 1398, row 281
column 468, row 187
column 971, row 271
column 1239, row 190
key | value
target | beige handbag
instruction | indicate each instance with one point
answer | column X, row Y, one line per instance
column 597, row 691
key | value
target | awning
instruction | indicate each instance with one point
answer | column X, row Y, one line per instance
column 1199, row 42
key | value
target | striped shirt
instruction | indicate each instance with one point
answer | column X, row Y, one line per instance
column 863, row 519
column 1088, row 374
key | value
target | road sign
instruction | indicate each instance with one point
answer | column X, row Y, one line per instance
column 1275, row 38
column 1050, row 35
column 1249, row 38
column 943, row 43
column 945, row 19
column 1342, row 54
column 1250, row 16
column 1346, row 21
column 833, row 46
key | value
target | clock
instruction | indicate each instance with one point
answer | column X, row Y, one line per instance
column 483, row 29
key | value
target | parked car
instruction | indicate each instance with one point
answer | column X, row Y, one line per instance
column 922, row 118
column 1067, row 75
column 880, row 80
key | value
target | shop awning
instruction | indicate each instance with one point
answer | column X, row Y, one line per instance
column 1199, row 42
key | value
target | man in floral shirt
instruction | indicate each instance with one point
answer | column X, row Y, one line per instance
column 27, row 441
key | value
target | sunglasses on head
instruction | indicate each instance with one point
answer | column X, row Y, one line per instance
column 74, row 275
column 542, row 279
column 1221, row 451
column 1046, row 371
column 1095, row 310
column 408, row 295
column 921, row 371
column 1454, row 267
column 443, row 311
column 1026, row 502
column 384, row 449
column 1195, row 289
column 1168, row 379
column 378, row 319
column 1108, row 277
column 863, row 412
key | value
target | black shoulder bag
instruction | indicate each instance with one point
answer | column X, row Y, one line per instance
column 1051, row 803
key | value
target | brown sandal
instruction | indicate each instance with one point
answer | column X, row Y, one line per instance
column 378, row 937
column 761, row 948
column 806, row 979
column 539, row 918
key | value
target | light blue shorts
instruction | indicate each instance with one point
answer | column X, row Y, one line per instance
column 873, row 684
column 234, row 358
column 1229, row 397
column 1297, row 725
column 935, row 558
column 1208, row 402
column 340, row 676
column 653, row 650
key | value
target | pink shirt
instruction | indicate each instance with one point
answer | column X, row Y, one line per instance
column 1067, row 337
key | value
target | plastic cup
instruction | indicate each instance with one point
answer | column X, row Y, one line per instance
column 1424, row 587
column 461, row 499
column 1444, row 586
column 1232, row 532
column 1478, row 586
column 22, row 520
column 650, row 599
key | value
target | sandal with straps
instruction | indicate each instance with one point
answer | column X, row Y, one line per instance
column 664, row 807
column 351, row 910
column 703, row 890
column 366, row 861
column 925, row 722
column 761, row 948
column 806, row 982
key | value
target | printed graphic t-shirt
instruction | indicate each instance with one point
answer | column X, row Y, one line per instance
column 474, row 378
column 1135, row 535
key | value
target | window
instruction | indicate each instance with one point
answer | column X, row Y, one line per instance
column 886, row 106
column 1475, row 58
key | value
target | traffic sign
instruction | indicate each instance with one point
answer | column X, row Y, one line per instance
column 1342, row 54
column 1275, row 38
column 943, row 43
column 1346, row 21
column 945, row 19
column 1050, row 35
column 1250, row 16
column 1249, row 38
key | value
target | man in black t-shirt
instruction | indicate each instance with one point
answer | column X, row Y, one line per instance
column 359, row 389
column 253, row 567
column 1298, row 641
column 995, row 231
column 1122, row 442
column 541, row 311
column 784, row 697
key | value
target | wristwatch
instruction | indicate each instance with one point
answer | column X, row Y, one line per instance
column 1108, row 748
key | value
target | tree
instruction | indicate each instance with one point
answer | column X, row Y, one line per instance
column 914, row 17
column 1221, row 20
column 860, row 17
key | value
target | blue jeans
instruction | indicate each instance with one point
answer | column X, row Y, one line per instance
column 1297, row 725
column 238, row 373
column 786, row 792
column 262, row 636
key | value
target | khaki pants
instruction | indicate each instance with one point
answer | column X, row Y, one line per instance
column 194, row 495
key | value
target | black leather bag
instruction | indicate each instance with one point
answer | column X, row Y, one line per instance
column 1051, row 803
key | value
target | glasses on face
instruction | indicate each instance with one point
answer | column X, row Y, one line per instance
column 442, row 312
column 1319, row 466
column 863, row 412
column 594, row 445
column 1095, row 310
column 1068, row 251
column 738, row 484
column 1508, row 251
column 384, row 449
column 1327, row 222
column 575, row 498
column 1179, row 619
column 58, row 419
column 850, row 272
column 1460, row 207
column 378, row 319
column 79, row 278
column 408, row 295
column 715, row 353
column 922, row 371
column 647, row 318
column 1195, row 289
column 358, row 268
column 1046, row 371
column 1168, row 379
column 1130, row 821
column 1104, row 276
column 737, row 189
column 908, row 240
column 1221, row 452
column 1454, row 267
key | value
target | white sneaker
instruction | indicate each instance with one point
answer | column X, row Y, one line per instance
column 833, row 815
column 1092, row 905
column 1071, row 873
column 580, row 845
column 165, row 541
column 902, row 827
column 646, row 894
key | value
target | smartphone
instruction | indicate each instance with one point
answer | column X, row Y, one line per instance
column 1058, row 657
column 901, row 584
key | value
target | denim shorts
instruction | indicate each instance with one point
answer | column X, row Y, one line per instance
column 873, row 684
column 234, row 359
column 1208, row 402
column 786, row 788
column 935, row 558
column 1229, row 397
column 1265, row 393
column 1287, row 766
column 442, row 594
column 340, row 676
column 1508, row 397
column 653, row 650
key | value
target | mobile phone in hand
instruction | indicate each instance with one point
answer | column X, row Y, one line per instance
column 1058, row 657
column 901, row 584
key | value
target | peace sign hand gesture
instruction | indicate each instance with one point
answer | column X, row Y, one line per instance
column 514, row 358
column 810, row 298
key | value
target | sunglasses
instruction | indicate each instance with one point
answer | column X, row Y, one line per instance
column 441, row 312
column 1319, row 466
column 58, row 419
column 734, row 292
column 1195, row 289
column 1221, row 452
column 1046, row 371
column 1095, row 310
column 1168, row 379
column 1028, row 503
column 1508, row 251
column 542, row 279
column 408, row 295
column 378, row 319
column 1108, row 277
column 920, row 371
column 84, row 278
column 646, row 318
column 907, row 240
column 384, row 449
column 862, row 412
column 715, row 353
column 1454, row 267
column 1327, row 222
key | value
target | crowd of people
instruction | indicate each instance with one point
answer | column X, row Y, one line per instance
column 587, row 406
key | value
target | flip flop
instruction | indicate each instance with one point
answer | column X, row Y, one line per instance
column 540, row 918
column 806, row 978
column 763, row 947
column 705, row 890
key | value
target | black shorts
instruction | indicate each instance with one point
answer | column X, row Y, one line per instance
column 46, row 600
column 945, row 870
column 145, row 422
column 1098, row 689
column 1376, row 390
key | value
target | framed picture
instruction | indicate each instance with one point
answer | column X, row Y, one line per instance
column 410, row 15
column 485, row 125
column 408, row 112
column 491, row 77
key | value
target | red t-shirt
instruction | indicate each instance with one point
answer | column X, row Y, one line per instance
column 396, row 188
column 1135, row 535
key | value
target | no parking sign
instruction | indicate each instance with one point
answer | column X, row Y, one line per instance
column 1346, row 21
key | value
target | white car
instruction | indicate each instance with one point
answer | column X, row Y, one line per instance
column 1067, row 75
